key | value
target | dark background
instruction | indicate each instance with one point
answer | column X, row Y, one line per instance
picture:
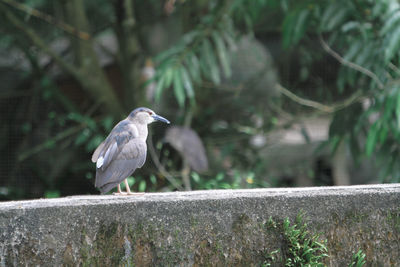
column 280, row 93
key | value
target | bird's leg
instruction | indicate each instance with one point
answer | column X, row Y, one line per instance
column 128, row 190
column 119, row 191
column 185, row 175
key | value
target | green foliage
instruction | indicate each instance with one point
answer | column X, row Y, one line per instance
column 222, row 181
column 294, row 26
column 219, row 181
column 52, row 194
column 367, row 35
column 304, row 248
column 270, row 258
column 92, row 135
column 199, row 55
column 197, row 70
column 358, row 259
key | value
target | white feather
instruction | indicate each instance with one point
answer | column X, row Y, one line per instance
column 99, row 162
column 134, row 130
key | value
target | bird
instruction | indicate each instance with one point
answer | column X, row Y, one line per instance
column 188, row 143
column 124, row 150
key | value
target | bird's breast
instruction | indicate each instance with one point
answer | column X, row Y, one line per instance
column 134, row 130
column 142, row 131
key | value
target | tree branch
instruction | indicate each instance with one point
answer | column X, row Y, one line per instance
column 160, row 167
column 129, row 50
column 40, row 43
column 49, row 19
column 349, row 64
column 90, row 76
column 47, row 144
column 394, row 68
column 316, row 105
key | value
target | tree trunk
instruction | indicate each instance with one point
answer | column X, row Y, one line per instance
column 129, row 51
column 94, row 78
column 90, row 75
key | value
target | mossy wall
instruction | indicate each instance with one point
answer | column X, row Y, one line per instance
column 203, row 228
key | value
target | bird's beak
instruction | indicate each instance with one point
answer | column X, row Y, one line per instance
column 159, row 118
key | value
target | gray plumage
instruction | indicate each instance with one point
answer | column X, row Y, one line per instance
column 187, row 142
column 124, row 150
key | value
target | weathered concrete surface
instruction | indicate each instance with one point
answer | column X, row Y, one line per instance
column 223, row 227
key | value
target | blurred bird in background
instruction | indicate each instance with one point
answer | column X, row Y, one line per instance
column 191, row 148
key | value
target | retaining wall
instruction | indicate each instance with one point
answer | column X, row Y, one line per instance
column 201, row 228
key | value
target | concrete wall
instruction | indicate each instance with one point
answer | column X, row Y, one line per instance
column 222, row 227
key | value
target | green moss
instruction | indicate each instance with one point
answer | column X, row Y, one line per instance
column 208, row 254
column 107, row 249
column 275, row 242
column 393, row 219
column 194, row 222
column 109, row 246
column 240, row 223
column 27, row 252
column 355, row 217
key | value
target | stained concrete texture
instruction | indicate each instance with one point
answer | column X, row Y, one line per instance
column 200, row 228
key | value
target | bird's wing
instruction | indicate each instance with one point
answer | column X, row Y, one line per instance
column 122, row 133
column 96, row 153
column 131, row 157
column 135, row 149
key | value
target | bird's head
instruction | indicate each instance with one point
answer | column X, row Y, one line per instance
column 145, row 116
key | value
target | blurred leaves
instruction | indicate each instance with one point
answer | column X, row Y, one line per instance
column 52, row 194
column 367, row 35
column 200, row 55
column 196, row 69
column 294, row 26
column 223, row 181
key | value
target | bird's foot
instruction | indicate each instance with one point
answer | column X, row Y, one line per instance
column 128, row 193
column 120, row 193
column 135, row 193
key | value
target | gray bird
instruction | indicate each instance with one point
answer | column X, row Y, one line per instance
column 188, row 143
column 124, row 150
